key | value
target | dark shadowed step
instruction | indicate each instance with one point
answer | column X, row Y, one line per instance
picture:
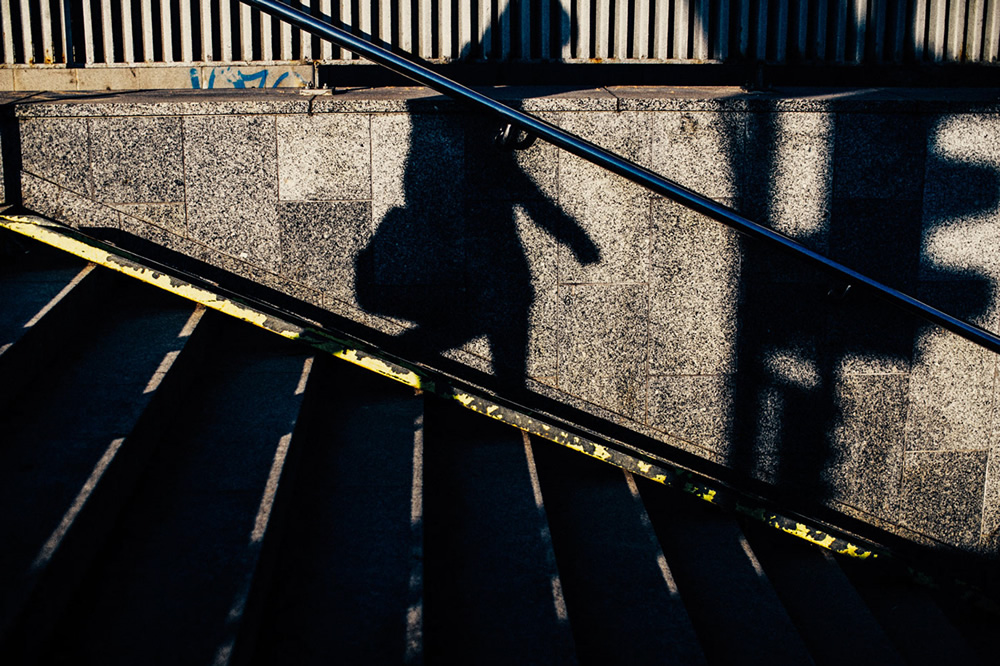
column 491, row 588
column 173, row 584
column 347, row 582
column 67, row 453
column 909, row 615
column 621, row 598
column 831, row 617
column 48, row 300
column 734, row 608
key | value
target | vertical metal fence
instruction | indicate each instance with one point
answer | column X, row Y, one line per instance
column 136, row 32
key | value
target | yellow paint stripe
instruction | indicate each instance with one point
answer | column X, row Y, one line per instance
column 39, row 229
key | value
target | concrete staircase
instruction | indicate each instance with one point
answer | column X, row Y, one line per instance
column 180, row 487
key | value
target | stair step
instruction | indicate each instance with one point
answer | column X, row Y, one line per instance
column 620, row 594
column 490, row 595
column 733, row 606
column 175, row 582
column 68, row 459
column 348, row 577
column 909, row 615
column 830, row 615
column 45, row 309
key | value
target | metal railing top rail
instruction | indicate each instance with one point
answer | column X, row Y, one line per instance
column 618, row 165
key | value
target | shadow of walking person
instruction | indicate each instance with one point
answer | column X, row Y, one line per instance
column 450, row 259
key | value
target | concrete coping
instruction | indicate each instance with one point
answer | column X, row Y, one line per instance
column 527, row 98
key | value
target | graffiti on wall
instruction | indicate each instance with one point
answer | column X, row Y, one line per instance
column 251, row 77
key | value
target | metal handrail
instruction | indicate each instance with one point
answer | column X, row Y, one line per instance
column 637, row 174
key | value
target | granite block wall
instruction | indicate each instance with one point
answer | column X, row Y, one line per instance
column 395, row 208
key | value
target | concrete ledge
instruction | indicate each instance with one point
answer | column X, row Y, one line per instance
column 392, row 207
column 155, row 77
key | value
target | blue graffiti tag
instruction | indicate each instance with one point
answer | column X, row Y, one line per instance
column 239, row 79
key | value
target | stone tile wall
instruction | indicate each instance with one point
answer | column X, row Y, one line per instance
column 395, row 208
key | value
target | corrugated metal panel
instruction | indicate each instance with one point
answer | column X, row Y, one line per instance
column 775, row 31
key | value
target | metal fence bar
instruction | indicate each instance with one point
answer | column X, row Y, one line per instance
column 502, row 23
column 896, row 51
column 860, row 30
column 88, row 33
column 205, row 14
column 404, row 26
column 762, row 29
column 266, row 48
column 525, row 32
column 7, row 32
column 743, row 26
column 974, row 31
column 445, row 24
column 167, row 32
column 325, row 47
column 661, row 29
column 187, row 31
column 385, row 22
column 621, row 30
column 602, row 29
column 45, row 16
column 225, row 31
column 365, row 18
column 957, row 10
column 246, row 34
column 640, row 34
column 583, row 29
column 877, row 31
column 680, row 37
column 346, row 20
column 720, row 48
column 936, row 23
column 284, row 40
column 425, row 32
column 465, row 21
column 305, row 39
column 29, row 50
column 799, row 21
column 146, row 19
column 822, row 17
column 991, row 33
column 699, row 30
column 777, row 31
column 128, row 43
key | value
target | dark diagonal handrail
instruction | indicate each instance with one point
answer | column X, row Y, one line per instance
column 637, row 174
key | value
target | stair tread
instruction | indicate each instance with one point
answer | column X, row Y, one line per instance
column 53, row 446
column 619, row 595
column 488, row 576
column 187, row 538
column 342, row 583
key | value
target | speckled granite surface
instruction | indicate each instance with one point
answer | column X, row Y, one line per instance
column 393, row 207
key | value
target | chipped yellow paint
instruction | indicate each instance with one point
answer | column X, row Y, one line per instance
column 465, row 399
column 599, row 451
column 697, row 491
column 860, row 553
column 33, row 229
column 38, row 229
column 379, row 366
